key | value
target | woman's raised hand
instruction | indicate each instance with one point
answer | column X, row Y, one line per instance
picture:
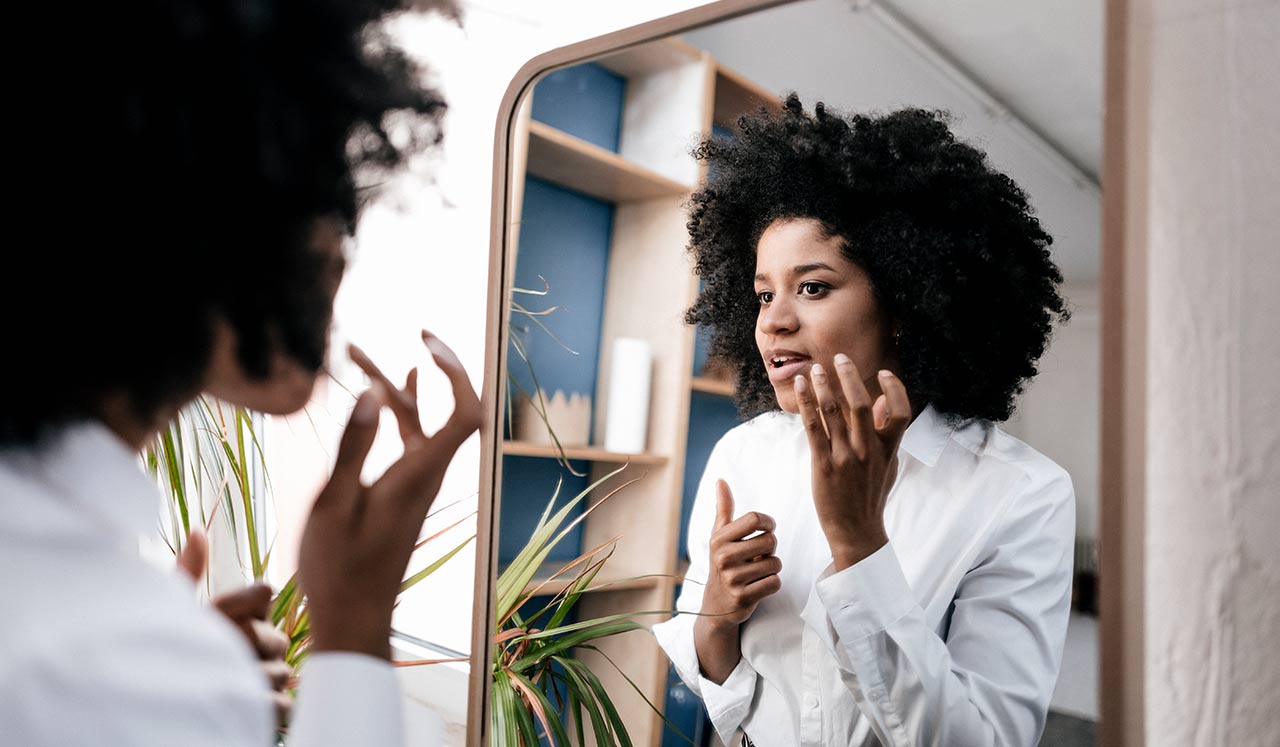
column 853, row 445
column 359, row 538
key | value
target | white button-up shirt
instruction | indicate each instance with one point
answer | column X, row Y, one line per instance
column 951, row 634
column 97, row 646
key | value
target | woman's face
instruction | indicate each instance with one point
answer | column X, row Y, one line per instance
column 814, row 303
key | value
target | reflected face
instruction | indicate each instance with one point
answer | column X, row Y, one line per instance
column 288, row 386
column 815, row 303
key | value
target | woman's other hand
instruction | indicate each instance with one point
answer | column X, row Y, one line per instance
column 358, row 538
column 248, row 609
column 743, row 571
column 853, row 447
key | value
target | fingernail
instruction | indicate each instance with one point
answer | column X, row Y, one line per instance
column 434, row 345
column 366, row 409
column 885, row 373
column 818, row 371
column 842, row 359
column 801, row 384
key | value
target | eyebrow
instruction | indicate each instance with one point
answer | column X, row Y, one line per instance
column 801, row 269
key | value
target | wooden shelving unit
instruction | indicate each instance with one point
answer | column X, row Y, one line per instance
column 673, row 94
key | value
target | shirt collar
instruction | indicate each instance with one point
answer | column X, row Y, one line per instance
column 101, row 476
column 927, row 436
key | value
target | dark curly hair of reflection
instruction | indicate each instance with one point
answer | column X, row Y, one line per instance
column 180, row 159
column 956, row 257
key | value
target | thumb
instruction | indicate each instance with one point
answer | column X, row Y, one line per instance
column 356, row 441
column 193, row 557
column 724, row 505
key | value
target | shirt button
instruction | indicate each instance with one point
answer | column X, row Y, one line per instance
column 811, row 702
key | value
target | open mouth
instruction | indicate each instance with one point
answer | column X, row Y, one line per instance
column 783, row 367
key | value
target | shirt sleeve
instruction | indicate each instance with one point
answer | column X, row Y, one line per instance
column 727, row 703
column 990, row 681
column 347, row 699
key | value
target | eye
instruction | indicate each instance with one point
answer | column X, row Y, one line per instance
column 814, row 288
column 764, row 297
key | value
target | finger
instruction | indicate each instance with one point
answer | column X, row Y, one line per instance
column 250, row 602
column 278, row 673
column 748, row 573
column 819, row 444
column 743, row 551
column 861, row 425
column 897, row 410
column 761, row 588
column 831, row 406
column 268, row 641
column 724, row 506
column 752, row 521
column 354, row 447
column 466, row 415
column 402, row 405
column 411, row 384
column 283, row 703
column 194, row 556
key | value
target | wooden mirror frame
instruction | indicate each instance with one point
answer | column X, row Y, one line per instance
column 1122, row 283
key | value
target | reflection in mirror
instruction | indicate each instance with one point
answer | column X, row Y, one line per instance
column 617, row 413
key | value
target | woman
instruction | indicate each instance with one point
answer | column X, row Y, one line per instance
column 206, row 155
column 871, row 557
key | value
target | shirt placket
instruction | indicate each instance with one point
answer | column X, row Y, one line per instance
column 810, row 690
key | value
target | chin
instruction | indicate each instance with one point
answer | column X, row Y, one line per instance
column 787, row 401
column 275, row 395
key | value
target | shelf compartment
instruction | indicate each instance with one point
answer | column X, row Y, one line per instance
column 561, row 158
column 736, row 96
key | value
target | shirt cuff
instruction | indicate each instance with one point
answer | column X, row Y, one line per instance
column 861, row 600
column 347, row 699
column 729, row 702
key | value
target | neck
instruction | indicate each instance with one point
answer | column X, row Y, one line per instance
column 121, row 418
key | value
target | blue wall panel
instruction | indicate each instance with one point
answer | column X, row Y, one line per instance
column 584, row 101
column 710, row 417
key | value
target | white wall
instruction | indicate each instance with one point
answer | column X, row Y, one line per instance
column 421, row 260
column 1213, row 459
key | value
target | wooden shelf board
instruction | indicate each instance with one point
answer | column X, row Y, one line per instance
column 735, row 96
column 709, row 385
column 563, row 159
column 586, row 453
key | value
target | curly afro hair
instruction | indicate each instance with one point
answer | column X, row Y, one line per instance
column 957, row 259
column 183, row 157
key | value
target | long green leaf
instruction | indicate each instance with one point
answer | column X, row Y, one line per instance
column 408, row 583
column 586, row 696
column 606, row 702
column 639, row 692
column 548, row 716
column 568, row 641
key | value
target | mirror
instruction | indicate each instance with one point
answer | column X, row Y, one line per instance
column 611, row 404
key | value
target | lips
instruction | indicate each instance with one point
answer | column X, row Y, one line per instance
column 795, row 364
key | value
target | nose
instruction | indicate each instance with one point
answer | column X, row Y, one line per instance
column 778, row 317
